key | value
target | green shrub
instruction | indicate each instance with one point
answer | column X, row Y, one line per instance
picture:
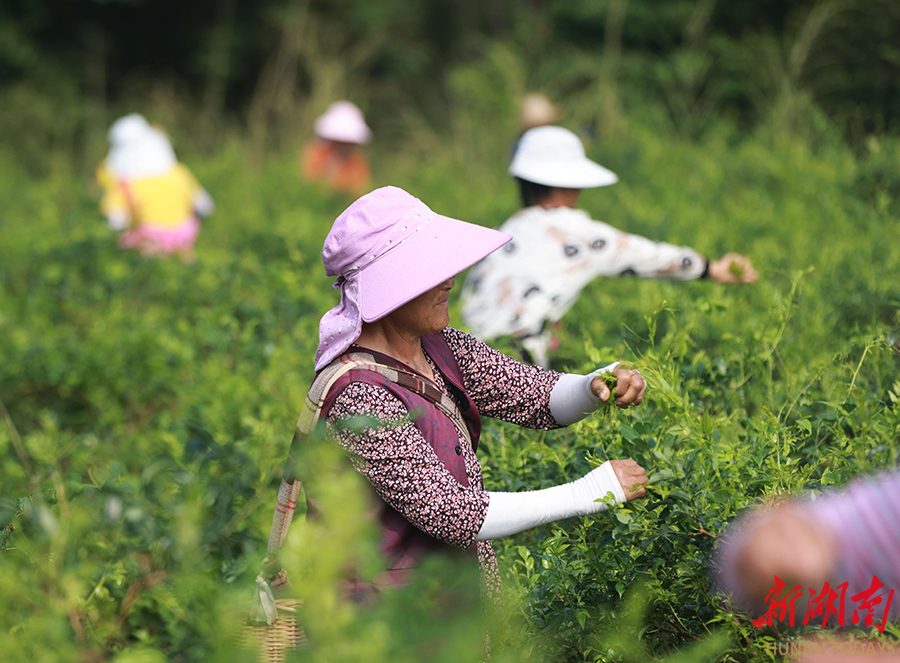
column 148, row 404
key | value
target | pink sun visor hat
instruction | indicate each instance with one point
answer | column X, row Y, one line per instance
column 386, row 249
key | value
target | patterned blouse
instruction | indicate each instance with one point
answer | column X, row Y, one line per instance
column 403, row 468
column 555, row 253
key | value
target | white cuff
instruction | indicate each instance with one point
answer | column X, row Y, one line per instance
column 511, row 513
column 203, row 203
column 571, row 398
column 117, row 220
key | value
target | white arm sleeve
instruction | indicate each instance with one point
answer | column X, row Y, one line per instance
column 117, row 219
column 203, row 203
column 511, row 513
column 571, row 398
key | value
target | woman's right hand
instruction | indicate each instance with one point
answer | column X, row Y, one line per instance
column 630, row 387
column 632, row 478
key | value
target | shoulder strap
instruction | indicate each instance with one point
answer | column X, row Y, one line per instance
column 289, row 491
column 129, row 199
column 315, row 398
column 419, row 385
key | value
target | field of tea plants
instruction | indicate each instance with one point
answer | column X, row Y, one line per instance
column 147, row 405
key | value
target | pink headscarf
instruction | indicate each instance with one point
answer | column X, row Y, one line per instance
column 386, row 249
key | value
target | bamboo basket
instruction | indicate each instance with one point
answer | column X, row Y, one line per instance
column 276, row 641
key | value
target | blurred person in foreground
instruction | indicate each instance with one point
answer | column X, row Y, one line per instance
column 395, row 260
column 154, row 200
column 334, row 157
column 837, row 548
column 526, row 288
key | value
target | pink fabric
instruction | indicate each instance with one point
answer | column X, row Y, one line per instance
column 151, row 239
column 388, row 248
column 861, row 518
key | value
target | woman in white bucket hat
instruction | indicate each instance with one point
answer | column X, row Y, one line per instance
column 334, row 157
column 525, row 288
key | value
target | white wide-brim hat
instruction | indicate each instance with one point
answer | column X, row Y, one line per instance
column 343, row 122
column 554, row 156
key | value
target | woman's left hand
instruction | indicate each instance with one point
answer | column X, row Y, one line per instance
column 630, row 388
column 631, row 477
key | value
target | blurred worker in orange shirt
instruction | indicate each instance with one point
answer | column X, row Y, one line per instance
column 334, row 157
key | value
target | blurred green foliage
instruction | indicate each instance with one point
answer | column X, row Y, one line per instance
column 210, row 67
column 147, row 405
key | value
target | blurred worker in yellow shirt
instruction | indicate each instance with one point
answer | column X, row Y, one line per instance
column 148, row 195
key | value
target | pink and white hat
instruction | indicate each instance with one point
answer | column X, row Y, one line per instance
column 343, row 122
column 386, row 249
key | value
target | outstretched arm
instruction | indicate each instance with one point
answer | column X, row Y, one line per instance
column 405, row 471
column 616, row 253
column 574, row 397
column 531, row 396
column 511, row 513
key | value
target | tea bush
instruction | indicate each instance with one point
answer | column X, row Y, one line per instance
column 148, row 404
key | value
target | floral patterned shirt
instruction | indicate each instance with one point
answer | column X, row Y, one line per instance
column 404, row 470
column 537, row 277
